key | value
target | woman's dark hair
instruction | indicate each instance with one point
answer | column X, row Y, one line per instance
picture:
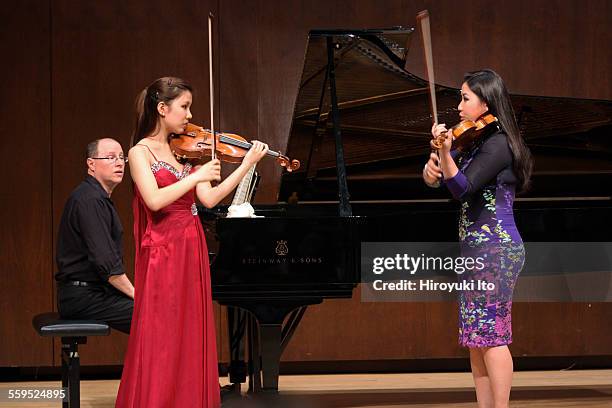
column 165, row 90
column 490, row 88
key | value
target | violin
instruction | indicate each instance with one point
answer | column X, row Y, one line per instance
column 467, row 132
column 195, row 144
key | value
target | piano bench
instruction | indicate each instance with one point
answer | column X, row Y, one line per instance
column 73, row 333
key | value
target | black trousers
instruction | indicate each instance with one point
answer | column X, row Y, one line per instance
column 101, row 302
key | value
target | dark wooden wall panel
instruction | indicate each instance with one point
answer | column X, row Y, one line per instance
column 85, row 62
column 552, row 48
column 25, row 195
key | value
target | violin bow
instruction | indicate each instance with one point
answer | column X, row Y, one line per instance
column 423, row 20
column 213, row 154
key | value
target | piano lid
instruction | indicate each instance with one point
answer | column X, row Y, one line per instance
column 385, row 125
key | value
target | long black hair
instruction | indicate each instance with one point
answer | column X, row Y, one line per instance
column 165, row 90
column 490, row 88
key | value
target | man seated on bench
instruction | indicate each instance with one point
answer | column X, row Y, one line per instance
column 91, row 278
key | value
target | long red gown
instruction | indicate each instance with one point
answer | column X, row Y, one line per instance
column 171, row 359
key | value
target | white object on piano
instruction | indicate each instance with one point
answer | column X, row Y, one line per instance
column 244, row 210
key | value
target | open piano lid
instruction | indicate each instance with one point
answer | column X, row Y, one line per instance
column 385, row 125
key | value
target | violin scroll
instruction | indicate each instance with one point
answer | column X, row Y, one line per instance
column 287, row 163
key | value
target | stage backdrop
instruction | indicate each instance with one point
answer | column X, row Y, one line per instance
column 72, row 69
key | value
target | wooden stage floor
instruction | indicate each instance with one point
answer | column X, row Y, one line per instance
column 550, row 389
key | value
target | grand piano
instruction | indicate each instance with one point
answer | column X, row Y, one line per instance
column 361, row 130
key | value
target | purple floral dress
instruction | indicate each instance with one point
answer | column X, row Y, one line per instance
column 485, row 186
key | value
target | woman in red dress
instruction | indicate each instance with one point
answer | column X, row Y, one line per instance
column 171, row 359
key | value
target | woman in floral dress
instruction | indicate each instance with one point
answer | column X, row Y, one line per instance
column 484, row 178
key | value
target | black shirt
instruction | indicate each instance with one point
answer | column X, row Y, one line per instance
column 89, row 244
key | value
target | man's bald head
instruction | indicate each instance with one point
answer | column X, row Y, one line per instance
column 92, row 147
column 105, row 162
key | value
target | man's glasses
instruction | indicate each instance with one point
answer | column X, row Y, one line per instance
column 111, row 159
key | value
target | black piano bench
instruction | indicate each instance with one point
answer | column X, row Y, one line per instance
column 73, row 333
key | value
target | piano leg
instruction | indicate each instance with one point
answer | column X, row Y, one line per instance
column 236, row 322
column 254, row 356
column 270, row 336
column 267, row 338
